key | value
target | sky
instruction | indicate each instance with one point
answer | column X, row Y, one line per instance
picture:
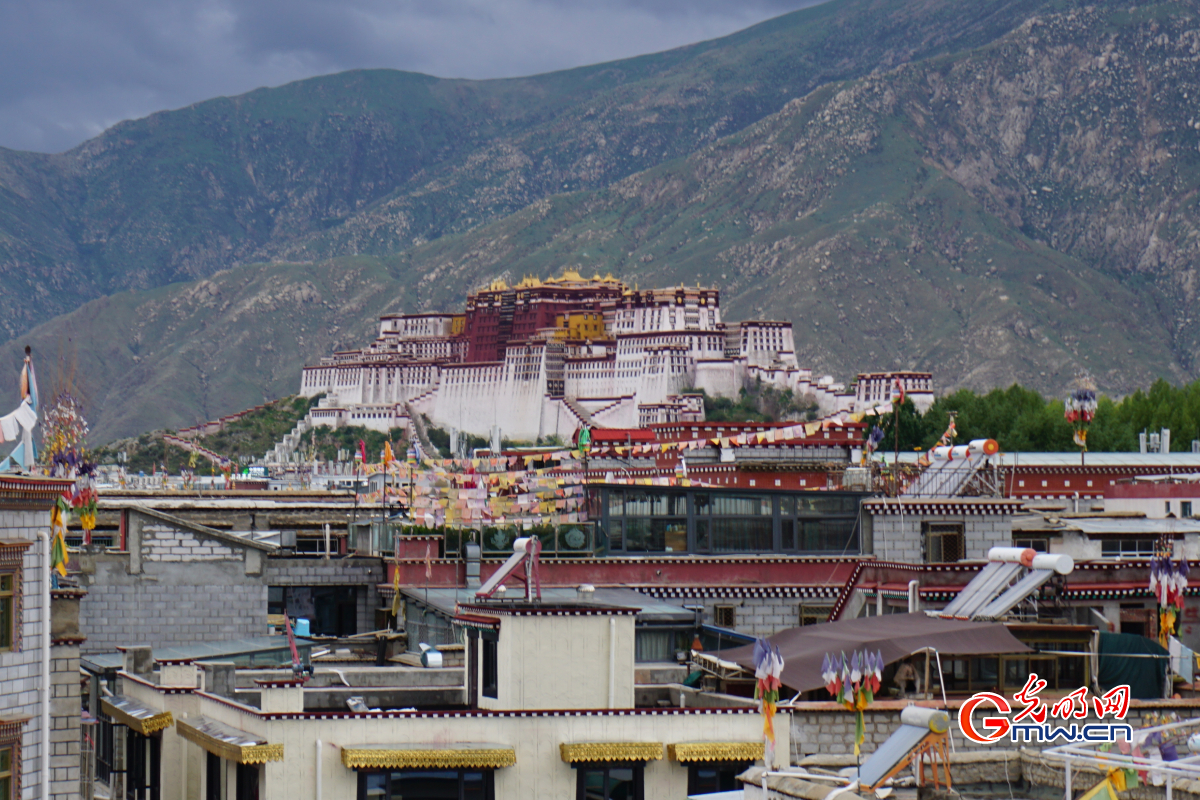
column 72, row 68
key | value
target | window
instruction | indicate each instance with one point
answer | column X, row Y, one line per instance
column 944, row 542
column 143, row 770
column 609, row 782
column 8, row 613
column 705, row 778
column 1139, row 547
column 1185, row 508
column 212, row 776
column 8, row 772
column 423, row 784
column 1038, row 543
column 725, row 616
column 812, row 614
column 490, row 669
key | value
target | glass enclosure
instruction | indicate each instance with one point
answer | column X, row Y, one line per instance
column 665, row 519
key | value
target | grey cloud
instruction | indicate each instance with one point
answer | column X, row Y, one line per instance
column 74, row 67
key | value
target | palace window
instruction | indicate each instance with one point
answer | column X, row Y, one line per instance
column 1128, row 547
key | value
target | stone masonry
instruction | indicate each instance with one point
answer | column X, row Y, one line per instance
column 179, row 582
column 364, row 573
column 899, row 537
column 20, row 670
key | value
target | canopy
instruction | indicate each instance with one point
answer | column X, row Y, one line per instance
column 896, row 636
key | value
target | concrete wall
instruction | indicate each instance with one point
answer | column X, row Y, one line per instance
column 898, row 537
column 562, row 662
column 20, row 671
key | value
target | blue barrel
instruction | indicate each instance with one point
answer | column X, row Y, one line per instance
column 301, row 628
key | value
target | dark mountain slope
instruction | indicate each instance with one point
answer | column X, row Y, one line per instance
column 375, row 161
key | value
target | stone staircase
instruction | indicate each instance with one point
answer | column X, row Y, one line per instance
column 579, row 411
column 420, row 435
column 284, row 449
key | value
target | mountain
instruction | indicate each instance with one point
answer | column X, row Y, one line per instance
column 993, row 191
column 375, row 161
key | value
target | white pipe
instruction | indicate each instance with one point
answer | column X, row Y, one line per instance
column 318, row 769
column 45, row 732
column 612, row 662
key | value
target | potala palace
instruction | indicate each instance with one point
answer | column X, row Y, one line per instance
column 542, row 357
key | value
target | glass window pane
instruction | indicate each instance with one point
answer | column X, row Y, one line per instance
column 787, row 506
column 669, row 535
column 637, row 503
column 616, row 535
column 620, row 783
column 702, row 503
column 5, row 760
column 593, row 783
column 616, row 502
column 740, row 506
column 788, row 534
column 6, row 622
column 741, row 535
column 475, row 785
column 377, row 786
column 425, row 785
column 6, row 583
column 637, row 535
column 702, row 535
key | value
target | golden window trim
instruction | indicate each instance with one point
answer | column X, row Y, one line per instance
column 579, row 752
column 240, row 754
column 688, row 752
column 147, row 726
column 425, row 757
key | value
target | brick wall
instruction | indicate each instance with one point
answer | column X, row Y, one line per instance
column 64, row 722
column 20, row 672
column 364, row 573
column 168, row 612
column 160, row 542
column 899, row 538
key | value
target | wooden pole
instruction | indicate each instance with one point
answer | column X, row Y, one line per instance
column 928, row 693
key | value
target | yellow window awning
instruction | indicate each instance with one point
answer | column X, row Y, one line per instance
column 228, row 742
column 689, row 752
column 132, row 714
column 427, row 755
column 580, row 752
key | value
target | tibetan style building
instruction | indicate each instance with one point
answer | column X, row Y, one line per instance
column 540, row 358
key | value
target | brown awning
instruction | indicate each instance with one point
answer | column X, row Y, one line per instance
column 688, row 752
column 423, row 755
column 896, row 636
column 580, row 752
column 132, row 714
column 228, row 742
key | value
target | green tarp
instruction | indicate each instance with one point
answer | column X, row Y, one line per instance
column 1129, row 658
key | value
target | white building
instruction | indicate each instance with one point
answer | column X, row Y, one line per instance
column 547, row 711
column 39, row 705
column 542, row 357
